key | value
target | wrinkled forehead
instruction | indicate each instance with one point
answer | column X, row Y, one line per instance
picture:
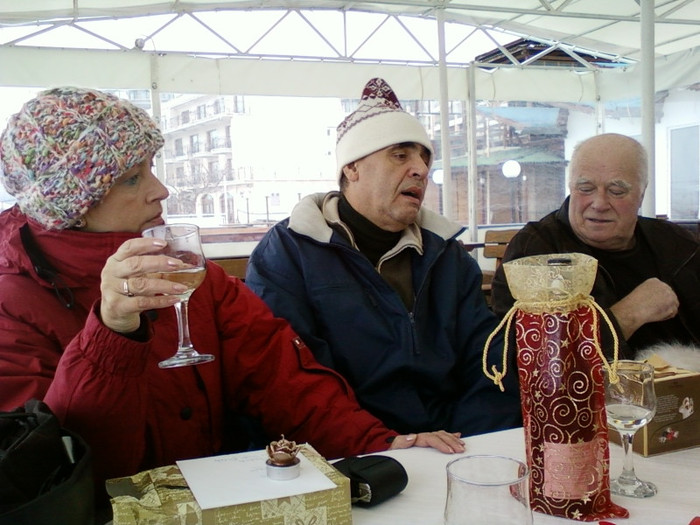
column 605, row 171
column 605, row 159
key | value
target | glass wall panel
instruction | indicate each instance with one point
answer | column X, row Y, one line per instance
column 246, row 160
column 678, row 155
column 520, row 161
column 684, row 172
column 233, row 161
column 11, row 100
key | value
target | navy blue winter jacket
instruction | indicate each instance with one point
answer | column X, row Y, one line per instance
column 417, row 370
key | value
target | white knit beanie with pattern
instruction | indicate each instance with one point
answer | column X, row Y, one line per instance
column 378, row 122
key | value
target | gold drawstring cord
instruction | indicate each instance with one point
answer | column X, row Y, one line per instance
column 543, row 306
column 612, row 370
column 497, row 376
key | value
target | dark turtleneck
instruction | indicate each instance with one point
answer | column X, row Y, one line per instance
column 371, row 240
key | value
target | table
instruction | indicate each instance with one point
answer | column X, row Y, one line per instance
column 676, row 474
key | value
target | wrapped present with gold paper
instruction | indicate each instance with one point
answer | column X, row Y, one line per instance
column 560, row 370
column 161, row 496
column 676, row 423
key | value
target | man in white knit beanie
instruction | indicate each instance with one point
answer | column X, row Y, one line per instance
column 380, row 288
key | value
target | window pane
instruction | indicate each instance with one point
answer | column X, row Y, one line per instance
column 685, row 170
column 248, row 160
column 520, row 161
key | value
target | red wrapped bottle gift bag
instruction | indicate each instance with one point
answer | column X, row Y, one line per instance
column 560, row 369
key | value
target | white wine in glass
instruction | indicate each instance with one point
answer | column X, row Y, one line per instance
column 184, row 244
column 630, row 403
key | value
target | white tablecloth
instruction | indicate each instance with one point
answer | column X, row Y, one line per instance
column 676, row 474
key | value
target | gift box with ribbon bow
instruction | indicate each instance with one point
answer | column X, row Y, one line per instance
column 160, row 496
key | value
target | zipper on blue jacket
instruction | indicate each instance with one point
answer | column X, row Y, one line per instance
column 412, row 320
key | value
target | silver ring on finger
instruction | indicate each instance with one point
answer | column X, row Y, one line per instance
column 125, row 288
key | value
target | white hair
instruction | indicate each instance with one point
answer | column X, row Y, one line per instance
column 642, row 159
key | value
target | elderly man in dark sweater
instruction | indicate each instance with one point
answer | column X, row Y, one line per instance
column 648, row 269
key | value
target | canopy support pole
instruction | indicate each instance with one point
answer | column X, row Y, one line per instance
column 648, row 103
column 447, row 186
column 471, row 149
column 158, row 117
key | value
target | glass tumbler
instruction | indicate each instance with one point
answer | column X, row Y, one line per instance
column 487, row 490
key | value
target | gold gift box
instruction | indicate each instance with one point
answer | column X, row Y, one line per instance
column 676, row 424
column 160, row 496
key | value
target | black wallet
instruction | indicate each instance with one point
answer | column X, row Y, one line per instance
column 373, row 479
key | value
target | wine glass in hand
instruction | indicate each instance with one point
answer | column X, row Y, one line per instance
column 184, row 244
column 630, row 403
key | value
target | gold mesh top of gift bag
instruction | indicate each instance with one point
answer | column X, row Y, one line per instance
column 552, row 283
column 551, row 277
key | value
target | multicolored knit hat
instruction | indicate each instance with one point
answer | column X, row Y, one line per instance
column 65, row 149
column 379, row 121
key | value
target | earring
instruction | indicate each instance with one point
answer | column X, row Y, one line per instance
column 80, row 223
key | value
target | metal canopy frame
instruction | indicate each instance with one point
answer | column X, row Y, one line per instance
column 190, row 40
column 595, row 26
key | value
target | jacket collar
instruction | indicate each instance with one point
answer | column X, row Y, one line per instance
column 311, row 217
column 563, row 214
column 76, row 255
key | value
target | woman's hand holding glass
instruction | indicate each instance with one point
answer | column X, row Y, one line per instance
column 126, row 292
column 183, row 243
column 137, row 278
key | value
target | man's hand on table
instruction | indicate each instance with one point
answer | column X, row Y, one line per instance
column 446, row 442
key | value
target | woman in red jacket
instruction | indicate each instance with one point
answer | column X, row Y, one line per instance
column 83, row 327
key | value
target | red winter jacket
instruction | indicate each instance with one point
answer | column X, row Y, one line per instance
column 109, row 389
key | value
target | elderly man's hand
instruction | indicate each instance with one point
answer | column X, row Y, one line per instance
column 446, row 442
column 651, row 301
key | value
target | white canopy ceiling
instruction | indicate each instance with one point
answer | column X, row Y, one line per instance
column 330, row 47
column 608, row 26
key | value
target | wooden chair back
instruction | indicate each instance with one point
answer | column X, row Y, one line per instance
column 495, row 244
column 235, row 266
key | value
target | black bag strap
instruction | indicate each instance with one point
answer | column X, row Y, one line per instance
column 44, row 269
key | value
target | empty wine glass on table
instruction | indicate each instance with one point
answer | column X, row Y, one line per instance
column 630, row 403
column 487, row 490
column 184, row 244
